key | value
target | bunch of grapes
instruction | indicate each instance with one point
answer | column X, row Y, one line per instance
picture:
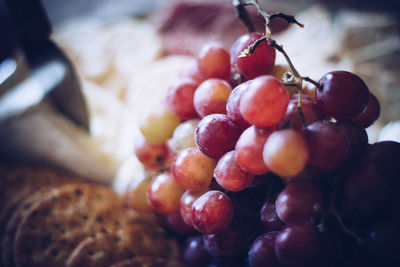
column 252, row 175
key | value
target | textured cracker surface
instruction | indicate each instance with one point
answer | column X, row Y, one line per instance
column 122, row 243
column 148, row 262
column 52, row 229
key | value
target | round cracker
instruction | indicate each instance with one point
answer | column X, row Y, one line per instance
column 20, row 180
column 122, row 243
column 10, row 228
column 148, row 262
column 69, row 213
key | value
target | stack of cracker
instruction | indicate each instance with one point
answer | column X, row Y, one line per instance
column 51, row 218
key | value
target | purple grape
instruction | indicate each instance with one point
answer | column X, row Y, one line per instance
column 342, row 95
column 385, row 155
column 262, row 251
column 327, row 156
column 299, row 200
column 364, row 193
column 356, row 135
column 269, row 217
column 194, row 253
column 297, row 243
column 370, row 114
column 216, row 135
column 232, row 241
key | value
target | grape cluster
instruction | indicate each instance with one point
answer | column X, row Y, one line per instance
column 252, row 175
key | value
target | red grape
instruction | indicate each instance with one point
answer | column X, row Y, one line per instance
column 212, row 212
column 232, row 106
column 192, row 169
column 370, row 114
column 229, row 174
column 265, row 102
column 164, row 193
column 299, row 200
column 259, row 63
column 211, row 97
column 213, row 62
column 216, row 135
column 151, row 155
column 342, row 95
column 179, row 99
column 187, row 200
column 312, row 113
column 297, row 243
column 262, row 251
column 249, row 150
column 285, row 153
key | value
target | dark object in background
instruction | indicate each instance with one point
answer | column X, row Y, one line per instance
column 31, row 19
column 7, row 32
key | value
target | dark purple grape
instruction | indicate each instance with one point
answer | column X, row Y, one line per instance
column 331, row 251
column 328, row 147
column 232, row 106
column 269, row 217
column 250, row 200
column 386, row 157
column 178, row 226
column 230, row 242
column 262, row 251
column 383, row 243
column 297, row 243
column 370, row 114
column 194, row 253
column 342, row 95
column 356, row 135
column 364, row 193
column 299, row 200
column 216, row 135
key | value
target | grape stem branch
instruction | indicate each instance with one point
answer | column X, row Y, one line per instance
column 291, row 78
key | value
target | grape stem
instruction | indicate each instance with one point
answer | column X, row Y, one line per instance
column 291, row 78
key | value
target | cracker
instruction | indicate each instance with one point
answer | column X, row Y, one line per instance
column 148, row 262
column 18, row 180
column 16, row 216
column 122, row 243
column 69, row 213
